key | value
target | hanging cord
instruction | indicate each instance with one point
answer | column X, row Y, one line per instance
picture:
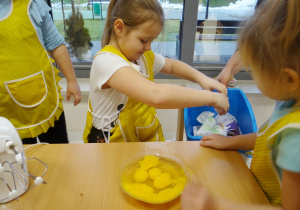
column 103, row 119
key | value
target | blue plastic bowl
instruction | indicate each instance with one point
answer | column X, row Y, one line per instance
column 240, row 108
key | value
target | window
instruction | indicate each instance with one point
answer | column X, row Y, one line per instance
column 81, row 23
column 167, row 43
column 84, row 41
column 201, row 33
column 217, row 24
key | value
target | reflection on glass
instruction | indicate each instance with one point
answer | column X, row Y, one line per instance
column 166, row 43
column 218, row 21
column 81, row 22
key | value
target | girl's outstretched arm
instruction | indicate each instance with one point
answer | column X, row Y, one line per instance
column 244, row 142
column 184, row 71
column 164, row 96
column 195, row 197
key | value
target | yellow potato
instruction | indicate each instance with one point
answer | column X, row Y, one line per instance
column 148, row 162
column 154, row 172
column 162, row 181
column 140, row 175
column 168, row 193
column 139, row 190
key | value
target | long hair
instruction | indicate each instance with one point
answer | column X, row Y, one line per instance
column 270, row 40
column 133, row 13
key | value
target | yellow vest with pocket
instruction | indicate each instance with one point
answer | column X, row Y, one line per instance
column 29, row 88
column 262, row 165
column 137, row 122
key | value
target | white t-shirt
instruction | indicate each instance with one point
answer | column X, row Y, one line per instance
column 107, row 103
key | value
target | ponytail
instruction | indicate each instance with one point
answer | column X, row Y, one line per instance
column 108, row 26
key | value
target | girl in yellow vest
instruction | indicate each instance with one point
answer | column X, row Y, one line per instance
column 123, row 96
column 269, row 45
column 29, row 91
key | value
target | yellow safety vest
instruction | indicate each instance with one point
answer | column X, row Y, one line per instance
column 29, row 88
column 262, row 165
column 137, row 121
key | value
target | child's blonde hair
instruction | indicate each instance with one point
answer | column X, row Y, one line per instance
column 133, row 13
column 270, row 40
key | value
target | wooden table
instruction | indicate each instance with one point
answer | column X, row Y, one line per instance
column 85, row 176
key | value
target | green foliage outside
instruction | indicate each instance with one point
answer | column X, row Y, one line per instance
column 95, row 29
column 212, row 3
column 77, row 35
column 217, row 3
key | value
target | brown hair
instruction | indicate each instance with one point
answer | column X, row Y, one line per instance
column 133, row 13
column 270, row 40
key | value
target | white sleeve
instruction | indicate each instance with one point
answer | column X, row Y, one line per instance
column 104, row 66
column 159, row 63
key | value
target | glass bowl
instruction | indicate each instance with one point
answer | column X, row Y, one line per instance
column 154, row 176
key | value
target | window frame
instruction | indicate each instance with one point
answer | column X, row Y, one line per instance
column 187, row 46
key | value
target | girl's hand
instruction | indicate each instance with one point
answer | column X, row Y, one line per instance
column 74, row 89
column 221, row 102
column 196, row 197
column 225, row 76
column 211, row 84
column 216, row 141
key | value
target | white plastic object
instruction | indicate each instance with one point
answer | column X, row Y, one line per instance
column 38, row 181
column 13, row 194
column 19, row 158
column 10, row 141
column 9, row 147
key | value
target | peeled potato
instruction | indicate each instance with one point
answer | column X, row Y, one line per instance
column 140, row 175
column 148, row 162
column 154, row 172
column 162, row 181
